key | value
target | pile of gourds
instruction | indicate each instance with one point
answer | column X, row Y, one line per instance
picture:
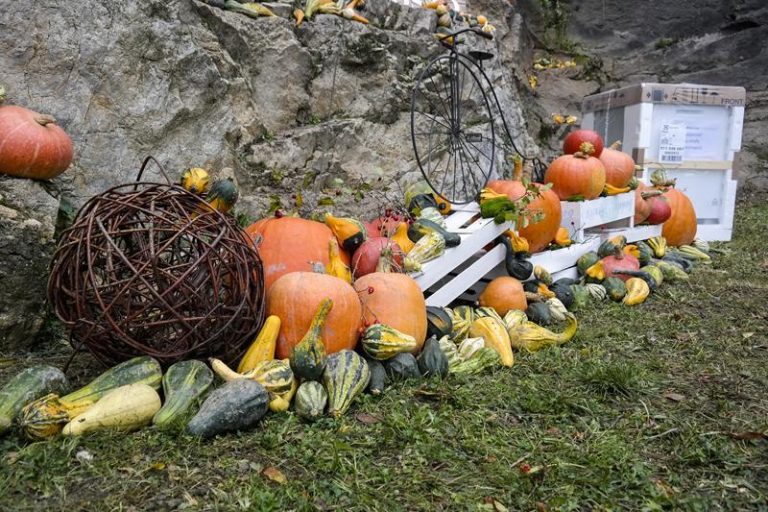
column 629, row 273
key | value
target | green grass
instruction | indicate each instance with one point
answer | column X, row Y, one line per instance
column 637, row 413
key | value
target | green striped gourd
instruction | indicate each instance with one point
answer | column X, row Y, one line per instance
column 308, row 356
column 310, row 400
column 26, row 386
column 346, row 375
column 382, row 342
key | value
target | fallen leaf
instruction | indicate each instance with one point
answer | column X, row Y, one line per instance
column 541, row 506
column 275, row 475
column 748, row 436
column 367, row 419
column 675, row 397
column 747, row 335
column 84, row 457
column 158, row 466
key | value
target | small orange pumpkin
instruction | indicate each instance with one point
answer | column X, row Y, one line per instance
column 576, row 176
column 32, row 145
column 503, row 294
column 619, row 166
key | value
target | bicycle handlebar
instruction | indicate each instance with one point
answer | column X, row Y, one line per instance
column 474, row 30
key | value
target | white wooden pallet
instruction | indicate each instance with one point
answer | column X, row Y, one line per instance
column 440, row 275
column 560, row 263
column 605, row 212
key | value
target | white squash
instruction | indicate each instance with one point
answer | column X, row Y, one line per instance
column 124, row 408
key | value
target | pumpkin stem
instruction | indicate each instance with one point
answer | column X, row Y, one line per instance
column 581, row 155
column 44, row 119
column 650, row 193
column 616, row 145
column 587, row 148
column 517, row 174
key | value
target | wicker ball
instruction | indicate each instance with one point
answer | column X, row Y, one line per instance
column 151, row 269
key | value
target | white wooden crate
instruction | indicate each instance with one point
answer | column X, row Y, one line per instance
column 713, row 194
column 607, row 212
column 671, row 124
column 440, row 275
column 632, row 233
column 560, row 263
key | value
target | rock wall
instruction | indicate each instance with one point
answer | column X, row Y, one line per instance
column 323, row 108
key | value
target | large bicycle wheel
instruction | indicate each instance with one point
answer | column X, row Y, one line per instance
column 452, row 128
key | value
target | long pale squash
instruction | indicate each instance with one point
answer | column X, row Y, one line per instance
column 495, row 336
column 124, row 408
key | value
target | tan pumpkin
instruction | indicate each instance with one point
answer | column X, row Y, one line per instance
column 295, row 297
column 576, row 176
column 32, row 145
column 394, row 300
column 619, row 166
column 538, row 234
column 291, row 244
column 504, row 294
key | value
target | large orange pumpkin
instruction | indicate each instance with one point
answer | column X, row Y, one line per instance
column 294, row 298
column 394, row 300
column 503, row 294
column 539, row 234
column 291, row 244
column 32, row 145
column 680, row 229
column 619, row 166
column 576, row 176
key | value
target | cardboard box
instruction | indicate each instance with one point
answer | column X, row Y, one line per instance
column 675, row 125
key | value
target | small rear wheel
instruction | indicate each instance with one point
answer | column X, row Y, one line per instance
column 452, row 128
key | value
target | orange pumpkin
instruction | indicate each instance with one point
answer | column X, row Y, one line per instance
column 394, row 300
column 538, row 234
column 576, row 176
column 503, row 294
column 642, row 208
column 680, row 229
column 613, row 264
column 294, row 298
column 32, row 145
column 619, row 166
column 291, row 244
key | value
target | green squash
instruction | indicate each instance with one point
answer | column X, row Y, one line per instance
column 27, row 386
column 310, row 400
column 539, row 313
column 379, row 378
column 615, row 288
column 183, row 385
column 484, row 359
column 346, row 375
column 448, row 348
column 531, row 286
column 308, row 356
column 655, row 272
column 612, row 246
column 585, row 261
column 422, row 227
column 439, row 322
column 383, row 342
column 237, row 405
column 402, row 366
column 563, row 293
column 463, row 316
column 671, row 271
column 646, row 253
column 645, row 276
column 581, row 297
column 516, row 264
column 432, row 361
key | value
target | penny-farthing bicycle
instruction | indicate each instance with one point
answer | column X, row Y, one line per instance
column 452, row 125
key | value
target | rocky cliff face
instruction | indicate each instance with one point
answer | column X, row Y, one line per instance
column 704, row 41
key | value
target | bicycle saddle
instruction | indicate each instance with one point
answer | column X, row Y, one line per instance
column 480, row 55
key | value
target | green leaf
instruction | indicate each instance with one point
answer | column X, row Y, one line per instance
column 326, row 201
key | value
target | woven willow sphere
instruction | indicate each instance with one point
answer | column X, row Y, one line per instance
column 151, row 269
